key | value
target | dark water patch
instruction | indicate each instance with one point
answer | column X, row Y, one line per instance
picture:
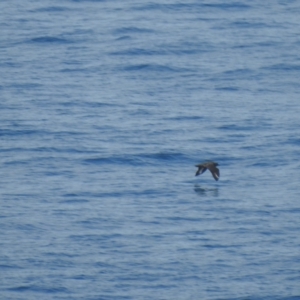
column 9, row 64
column 84, row 277
column 87, row 104
column 114, row 194
column 197, row 233
column 151, row 68
column 6, row 267
column 246, row 24
column 49, row 40
column 262, row 164
column 185, row 219
column 28, row 228
column 187, row 7
column 234, row 127
column 228, row 89
column 50, row 9
column 74, row 201
column 141, row 103
column 59, row 255
column 71, row 195
column 22, row 87
column 186, row 118
column 294, row 210
column 219, row 246
column 96, row 104
column 165, row 50
column 129, row 30
column 138, row 52
column 228, row 6
column 101, row 264
column 119, row 194
column 136, row 159
column 25, row 132
column 19, row 196
column 100, row 1
column 48, row 150
column 42, row 165
column 186, row 51
column 283, row 67
column 159, row 6
column 236, row 74
column 264, row 44
column 293, row 141
column 83, row 70
column 118, row 160
column 38, row 289
column 170, row 156
column 140, row 112
column 189, row 48
column 271, row 297
column 22, row 288
column 93, row 222
column 123, row 38
column 96, row 237
column 252, row 148
column 73, row 70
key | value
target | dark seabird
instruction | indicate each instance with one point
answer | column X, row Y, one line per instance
column 211, row 166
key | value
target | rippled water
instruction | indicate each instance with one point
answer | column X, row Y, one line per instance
column 105, row 109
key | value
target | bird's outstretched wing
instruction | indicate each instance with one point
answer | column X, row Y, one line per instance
column 201, row 169
column 215, row 172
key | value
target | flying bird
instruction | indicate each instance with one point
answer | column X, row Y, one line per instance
column 211, row 166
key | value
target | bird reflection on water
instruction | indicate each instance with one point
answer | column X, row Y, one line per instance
column 203, row 191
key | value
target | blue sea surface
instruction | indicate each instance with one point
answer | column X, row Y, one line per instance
column 106, row 106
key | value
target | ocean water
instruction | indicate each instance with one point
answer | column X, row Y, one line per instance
column 106, row 106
